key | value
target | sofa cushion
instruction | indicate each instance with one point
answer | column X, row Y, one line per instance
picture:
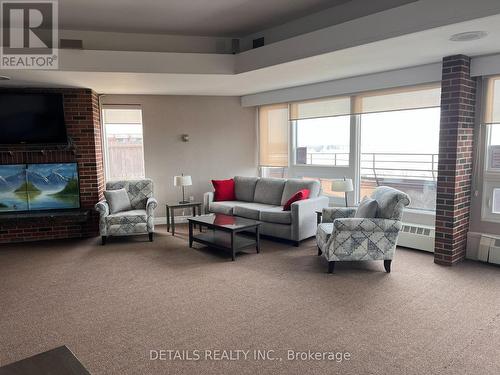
column 244, row 188
column 269, row 191
column 223, row 190
column 127, row 217
column 293, row 185
column 298, row 196
column 118, row 200
column 276, row 230
column 276, row 215
column 224, row 207
column 250, row 210
column 367, row 208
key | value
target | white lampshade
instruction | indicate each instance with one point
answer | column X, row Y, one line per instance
column 182, row 181
column 342, row 185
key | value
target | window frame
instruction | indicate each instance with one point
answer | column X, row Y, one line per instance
column 491, row 176
column 352, row 170
column 489, row 184
column 432, row 162
column 293, row 161
column 104, row 144
column 491, row 179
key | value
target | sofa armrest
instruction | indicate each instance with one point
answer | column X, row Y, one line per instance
column 151, row 204
column 208, row 198
column 367, row 225
column 332, row 213
column 103, row 208
column 304, row 223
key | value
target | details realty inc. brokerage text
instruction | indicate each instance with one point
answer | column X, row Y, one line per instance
column 247, row 355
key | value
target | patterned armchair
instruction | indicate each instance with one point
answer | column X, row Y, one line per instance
column 341, row 237
column 139, row 220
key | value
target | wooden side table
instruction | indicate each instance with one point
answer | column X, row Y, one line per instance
column 319, row 215
column 171, row 207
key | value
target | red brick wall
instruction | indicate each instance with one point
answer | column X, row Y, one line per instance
column 81, row 114
column 458, row 100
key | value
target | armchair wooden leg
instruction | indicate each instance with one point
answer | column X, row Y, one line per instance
column 387, row 265
column 150, row 237
column 103, row 240
column 296, row 243
column 331, row 266
column 319, row 251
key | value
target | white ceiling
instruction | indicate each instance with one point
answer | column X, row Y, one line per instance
column 234, row 18
column 409, row 50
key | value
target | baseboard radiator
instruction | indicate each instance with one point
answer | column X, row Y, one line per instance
column 489, row 249
column 416, row 236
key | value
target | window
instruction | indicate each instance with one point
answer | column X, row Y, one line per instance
column 323, row 141
column 322, row 131
column 491, row 131
column 398, row 133
column 400, row 149
column 273, row 135
column 326, row 188
column 273, row 172
column 123, row 142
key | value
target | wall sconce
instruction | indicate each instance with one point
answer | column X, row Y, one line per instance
column 185, row 137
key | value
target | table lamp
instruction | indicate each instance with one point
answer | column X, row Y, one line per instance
column 183, row 181
column 343, row 186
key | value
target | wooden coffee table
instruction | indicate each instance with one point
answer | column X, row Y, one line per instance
column 225, row 232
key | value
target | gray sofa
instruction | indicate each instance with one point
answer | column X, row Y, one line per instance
column 263, row 199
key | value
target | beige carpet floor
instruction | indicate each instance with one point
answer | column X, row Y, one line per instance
column 112, row 305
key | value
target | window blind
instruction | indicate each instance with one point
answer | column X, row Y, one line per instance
column 399, row 99
column 423, row 96
column 122, row 114
column 491, row 114
column 273, row 135
column 327, row 107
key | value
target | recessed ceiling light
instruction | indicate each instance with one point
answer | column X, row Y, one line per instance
column 4, row 78
column 468, row 36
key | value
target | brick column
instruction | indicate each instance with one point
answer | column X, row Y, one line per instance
column 458, row 100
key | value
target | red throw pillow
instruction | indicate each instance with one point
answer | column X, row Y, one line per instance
column 224, row 190
column 298, row 196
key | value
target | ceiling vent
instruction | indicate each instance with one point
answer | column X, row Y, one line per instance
column 71, row 44
column 468, row 36
column 259, row 42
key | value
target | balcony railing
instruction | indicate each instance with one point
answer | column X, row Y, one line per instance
column 415, row 174
column 378, row 164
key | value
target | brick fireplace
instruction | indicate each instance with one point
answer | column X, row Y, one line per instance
column 81, row 114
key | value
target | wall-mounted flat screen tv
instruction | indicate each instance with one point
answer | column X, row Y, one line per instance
column 32, row 118
column 35, row 187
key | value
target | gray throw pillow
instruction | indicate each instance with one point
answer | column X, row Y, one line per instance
column 367, row 208
column 118, row 200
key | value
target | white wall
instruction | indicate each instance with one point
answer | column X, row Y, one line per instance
column 222, row 141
